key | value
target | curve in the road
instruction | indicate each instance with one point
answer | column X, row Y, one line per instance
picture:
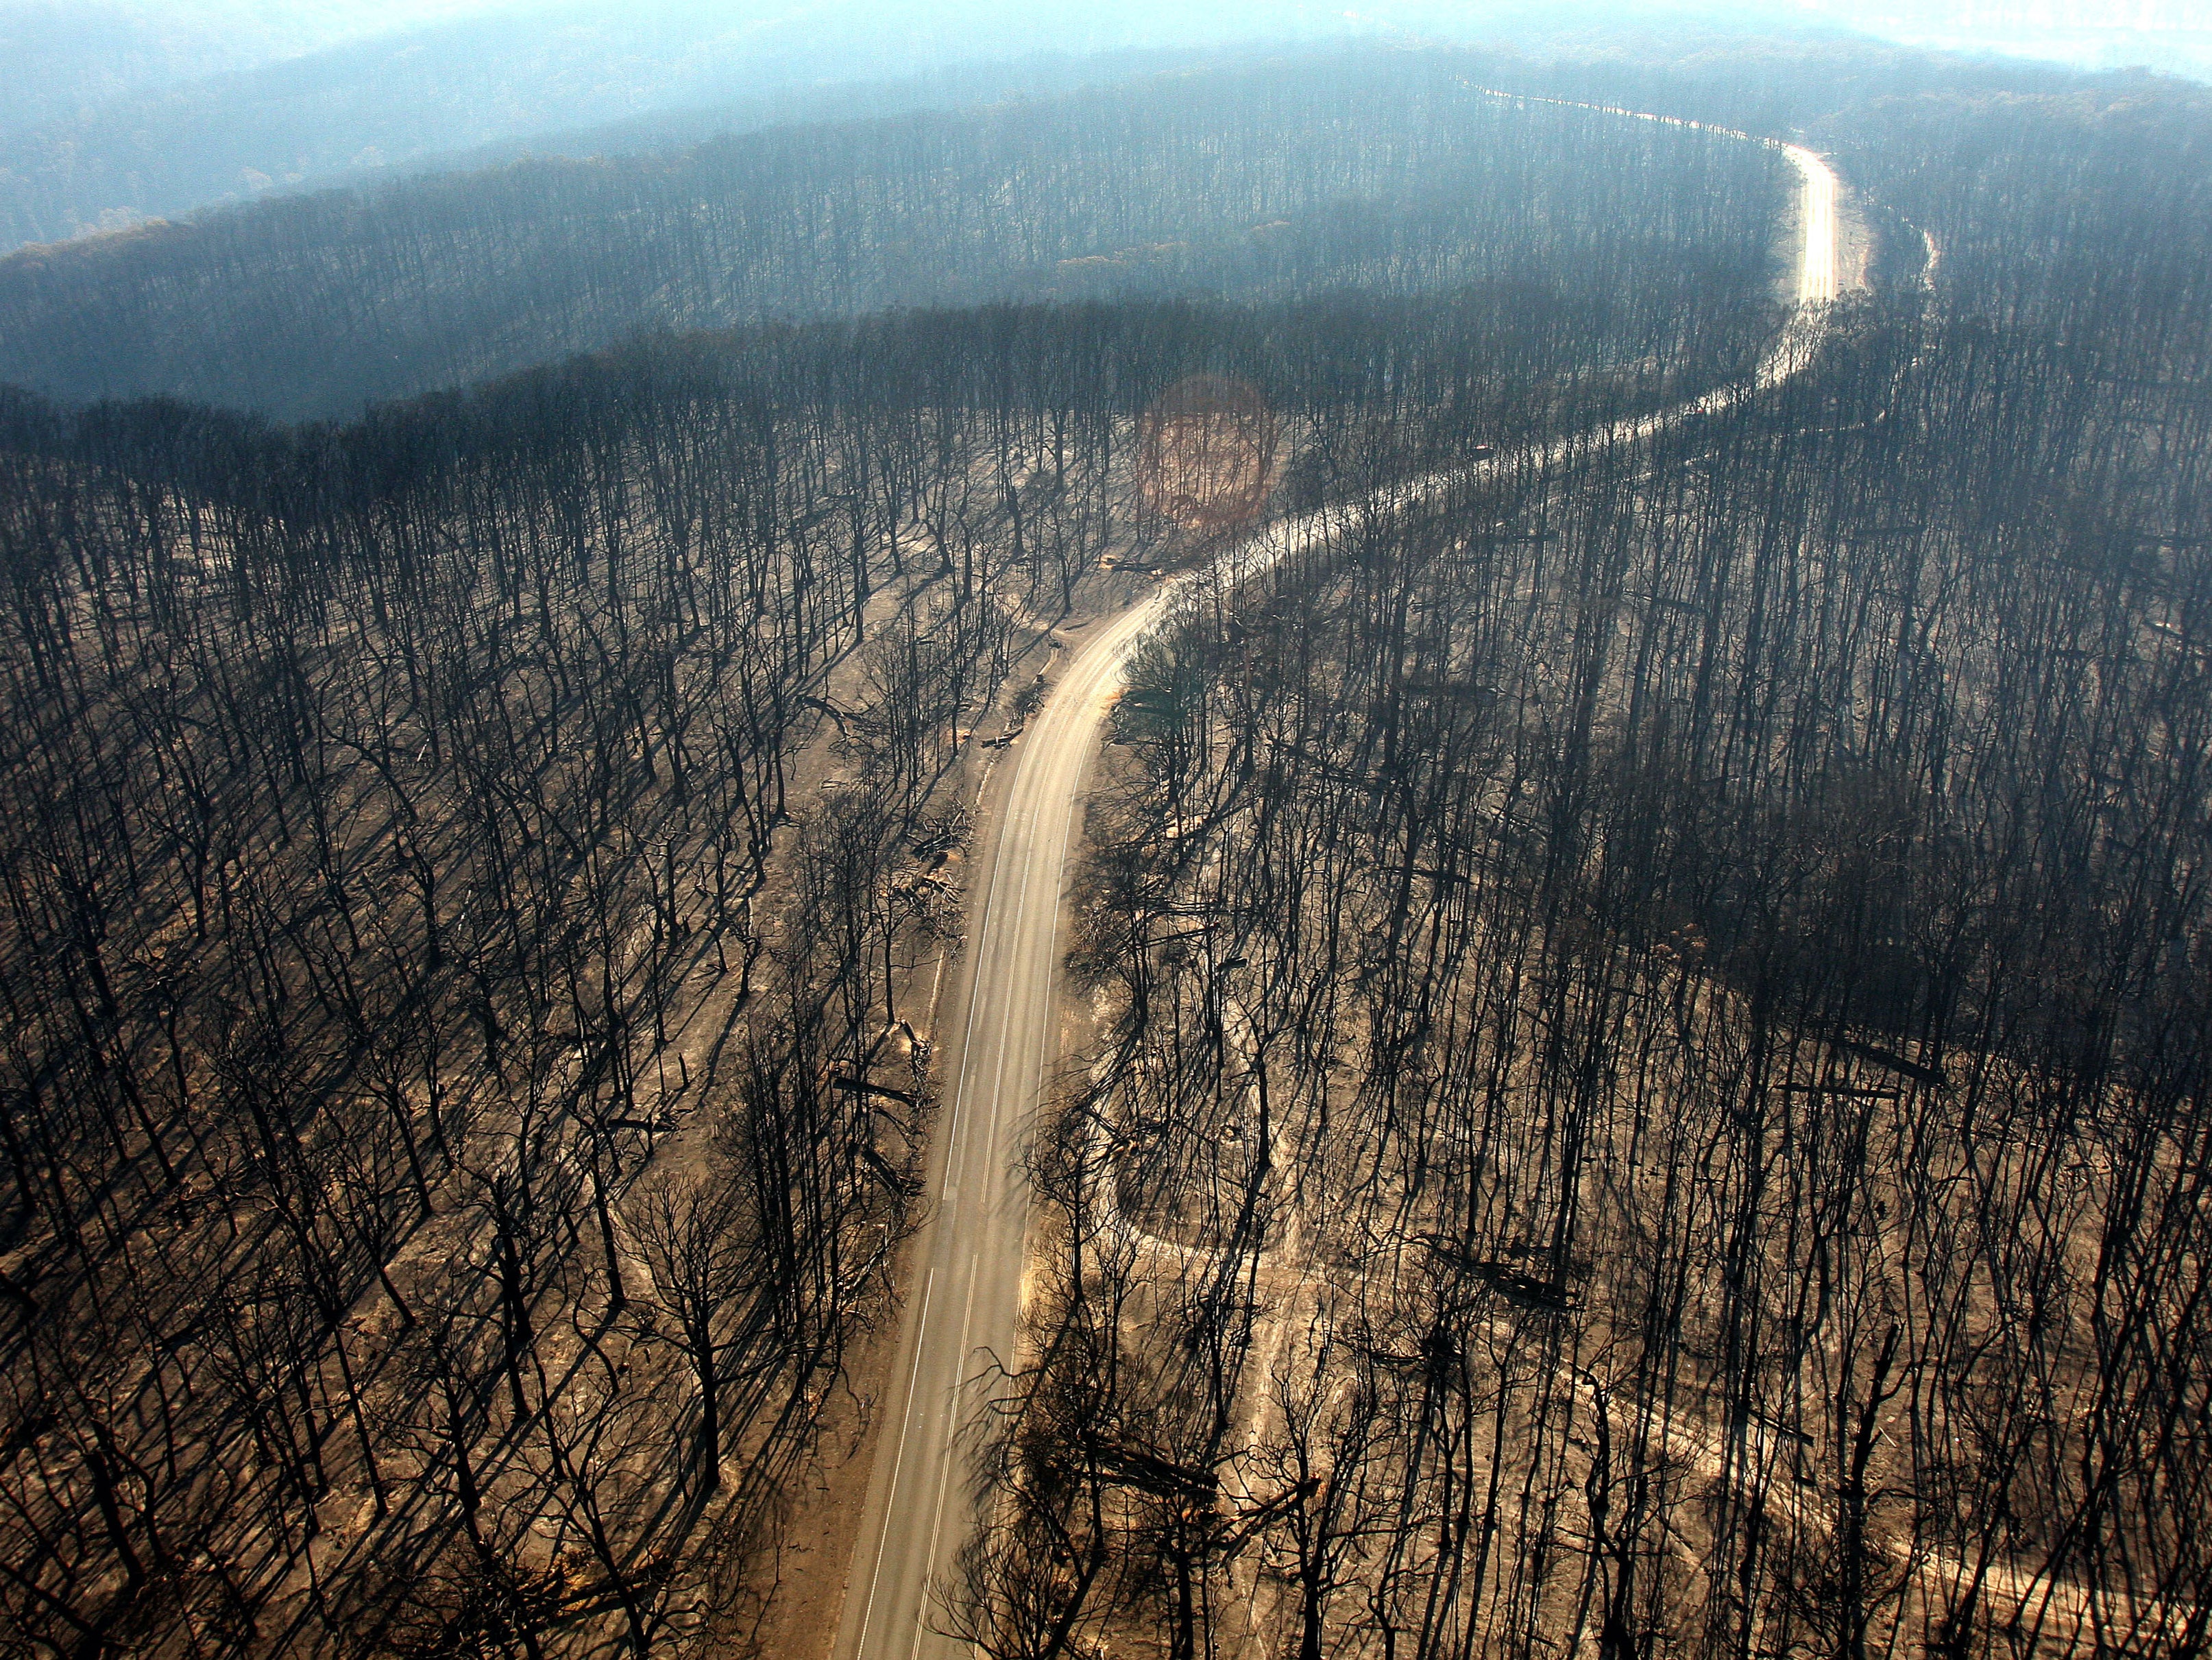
column 963, row 1316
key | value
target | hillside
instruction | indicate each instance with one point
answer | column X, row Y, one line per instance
column 1254, row 182
column 1647, row 1018
column 480, row 873
column 133, row 112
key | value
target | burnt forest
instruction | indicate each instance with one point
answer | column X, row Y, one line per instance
column 1364, row 847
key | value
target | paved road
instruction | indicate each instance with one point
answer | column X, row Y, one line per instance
column 1816, row 272
column 963, row 1314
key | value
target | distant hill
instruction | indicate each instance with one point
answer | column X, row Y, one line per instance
column 2172, row 36
column 118, row 137
column 130, row 111
column 63, row 59
column 1389, row 171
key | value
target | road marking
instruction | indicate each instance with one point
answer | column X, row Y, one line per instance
column 883, row 1539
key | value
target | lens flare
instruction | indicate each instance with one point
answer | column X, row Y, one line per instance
column 1206, row 454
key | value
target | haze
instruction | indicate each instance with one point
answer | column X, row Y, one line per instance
column 915, row 832
column 117, row 112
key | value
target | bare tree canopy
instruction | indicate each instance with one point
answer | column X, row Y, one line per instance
column 1642, row 1022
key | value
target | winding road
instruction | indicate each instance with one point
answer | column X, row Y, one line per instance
column 963, row 1316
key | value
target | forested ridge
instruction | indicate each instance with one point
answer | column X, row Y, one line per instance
column 1649, row 1093
column 473, row 872
column 1392, row 174
column 119, row 110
